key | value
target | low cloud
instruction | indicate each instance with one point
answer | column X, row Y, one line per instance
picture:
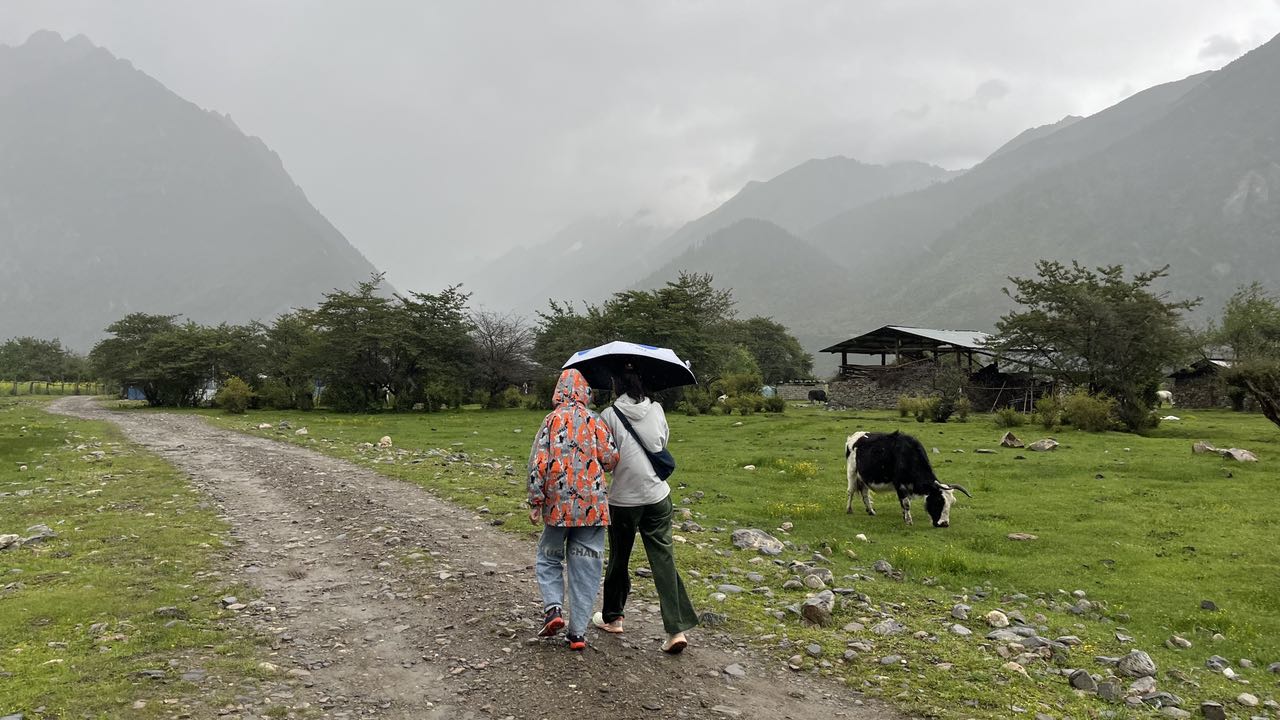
column 1221, row 46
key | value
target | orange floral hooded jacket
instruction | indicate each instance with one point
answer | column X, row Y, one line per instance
column 573, row 450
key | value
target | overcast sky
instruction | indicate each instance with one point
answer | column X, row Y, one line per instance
column 433, row 132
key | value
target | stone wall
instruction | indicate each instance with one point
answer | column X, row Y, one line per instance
column 880, row 389
column 1200, row 391
column 798, row 391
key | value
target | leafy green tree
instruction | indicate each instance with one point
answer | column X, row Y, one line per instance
column 291, row 361
column 1250, row 329
column 122, row 359
column 435, row 349
column 778, row 354
column 1098, row 329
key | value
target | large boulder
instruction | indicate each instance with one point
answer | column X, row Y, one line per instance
column 1137, row 664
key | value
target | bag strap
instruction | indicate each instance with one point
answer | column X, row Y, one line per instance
column 626, row 424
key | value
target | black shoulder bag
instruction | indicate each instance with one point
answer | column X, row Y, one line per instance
column 662, row 461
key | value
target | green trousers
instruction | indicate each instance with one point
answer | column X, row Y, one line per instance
column 653, row 522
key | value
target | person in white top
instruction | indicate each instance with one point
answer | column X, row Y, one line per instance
column 639, row 501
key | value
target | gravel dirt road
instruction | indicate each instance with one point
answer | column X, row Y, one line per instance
column 392, row 603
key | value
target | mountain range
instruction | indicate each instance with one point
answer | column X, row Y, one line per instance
column 118, row 196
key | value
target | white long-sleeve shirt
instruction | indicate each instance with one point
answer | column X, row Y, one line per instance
column 634, row 481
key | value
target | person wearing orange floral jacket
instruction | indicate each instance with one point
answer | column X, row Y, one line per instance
column 567, row 494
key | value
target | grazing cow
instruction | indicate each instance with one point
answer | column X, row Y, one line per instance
column 1162, row 397
column 817, row 396
column 879, row 461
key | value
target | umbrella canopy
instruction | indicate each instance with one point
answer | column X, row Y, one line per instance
column 659, row 368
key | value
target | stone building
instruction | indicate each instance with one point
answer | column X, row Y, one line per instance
column 909, row 360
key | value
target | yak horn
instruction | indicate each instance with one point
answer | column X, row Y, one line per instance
column 956, row 487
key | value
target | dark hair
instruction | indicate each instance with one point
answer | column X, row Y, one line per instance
column 629, row 383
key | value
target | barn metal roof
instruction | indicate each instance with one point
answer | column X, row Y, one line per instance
column 903, row 338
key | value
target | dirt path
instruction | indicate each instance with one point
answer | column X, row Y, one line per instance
column 450, row 633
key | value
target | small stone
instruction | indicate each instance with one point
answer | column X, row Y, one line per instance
column 1014, row 667
column 1044, row 445
column 882, row 566
column 817, row 609
column 1143, row 685
column 735, row 670
column 1247, row 700
column 960, row 611
column 1178, row 642
column 1209, row 605
column 1022, row 537
column 891, row 660
column 1217, row 662
column 984, row 451
column 748, row 467
column 888, row 627
column 752, row 538
column 862, row 537
column 1274, row 668
column 1174, row 712
column 961, row 630
column 795, row 662
column 726, row 711
column 1245, row 663
column 813, row 582
column 1082, row 680
column 997, row 619
column 792, row 584
column 1137, row 664
column 1011, row 441
column 1213, row 710
column 1109, row 691
column 813, row 650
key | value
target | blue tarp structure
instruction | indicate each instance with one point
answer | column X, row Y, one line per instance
column 134, row 393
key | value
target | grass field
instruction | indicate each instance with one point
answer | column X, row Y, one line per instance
column 78, row 612
column 1138, row 523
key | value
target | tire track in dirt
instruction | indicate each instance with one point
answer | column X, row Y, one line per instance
column 389, row 602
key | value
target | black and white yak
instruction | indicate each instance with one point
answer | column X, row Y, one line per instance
column 879, row 461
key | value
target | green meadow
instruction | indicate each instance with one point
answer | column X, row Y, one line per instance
column 1146, row 529
column 129, row 583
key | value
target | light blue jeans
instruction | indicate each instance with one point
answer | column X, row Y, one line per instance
column 583, row 547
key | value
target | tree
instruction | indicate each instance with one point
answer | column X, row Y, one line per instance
column 121, row 359
column 1100, row 330
column 1250, row 329
column 776, row 351
column 503, row 353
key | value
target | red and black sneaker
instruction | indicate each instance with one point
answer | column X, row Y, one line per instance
column 551, row 622
column 577, row 642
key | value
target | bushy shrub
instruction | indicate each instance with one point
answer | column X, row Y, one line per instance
column 702, row 399
column 1091, row 413
column 1048, row 411
column 512, row 397
column 963, row 408
column 234, row 396
column 775, row 404
column 737, row 384
column 746, row 404
column 276, row 395
column 923, row 409
column 941, row 409
column 688, row 408
column 906, row 406
column 533, row 402
column 1010, row 418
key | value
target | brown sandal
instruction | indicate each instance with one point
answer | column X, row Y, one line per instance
column 675, row 644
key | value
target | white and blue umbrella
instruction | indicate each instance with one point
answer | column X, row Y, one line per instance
column 659, row 368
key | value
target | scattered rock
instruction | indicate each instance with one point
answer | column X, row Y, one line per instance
column 984, row 451
column 1021, row 536
column 882, row 566
column 1247, row 700
column 1201, row 447
column 384, row 442
column 817, row 609
column 735, row 670
column 1213, row 710
column 1109, row 691
column 1178, row 642
column 748, row 467
column 891, row 660
column 813, row 650
column 1274, row 668
column 960, row 611
column 813, row 582
column 1044, row 445
column 1143, row 686
column 997, row 619
column 1137, row 664
column 888, row 627
column 861, row 537
column 1011, row 441
column 1238, row 454
column 1172, row 711
column 755, row 539
column 1217, row 662
column 10, row 542
column 961, row 630
column 1014, row 667
column 302, row 431
column 1082, row 680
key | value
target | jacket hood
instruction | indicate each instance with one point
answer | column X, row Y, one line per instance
column 633, row 410
column 572, row 389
